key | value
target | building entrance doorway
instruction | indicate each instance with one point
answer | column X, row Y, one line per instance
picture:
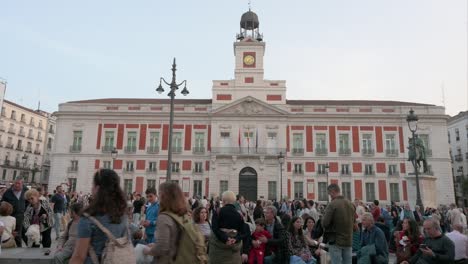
column 248, row 183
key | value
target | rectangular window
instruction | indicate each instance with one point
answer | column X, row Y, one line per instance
column 128, row 186
column 271, row 135
column 426, row 142
column 177, row 142
column 322, row 191
column 346, row 190
column 199, row 142
column 152, row 165
column 109, row 139
column 225, row 134
column 390, row 144
column 154, row 139
column 14, row 174
column 272, row 190
column 392, row 169
column 370, row 191
column 77, row 139
column 13, row 114
column 367, row 144
column 321, row 142
column 298, row 190
column 23, row 118
column 107, row 164
column 298, row 147
column 394, row 192
column 345, row 169
column 198, row 168
column 4, row 174
column 322, row 168
column 298, row 168
column 131, row 139
column 150, row 184
column 175, row 167
column 368, row 169
column 129, row 166
column 72, row 182
column 457, row 134
column 448, row 134
column 197, row 188
column 223, row 186
column 344, row 144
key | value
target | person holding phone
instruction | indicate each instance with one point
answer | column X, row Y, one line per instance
column 436, row 248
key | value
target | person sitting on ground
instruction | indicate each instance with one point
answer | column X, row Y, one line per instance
column 385, row 228
column 408, row 240
column 67, row 240
column 257, row 254
column 277, row 247
column 436, row 248
column 8, row 238
column 200, row 217
column 372, row 237
column 298, row 247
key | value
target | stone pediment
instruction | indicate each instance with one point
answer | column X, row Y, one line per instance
column 249, row 106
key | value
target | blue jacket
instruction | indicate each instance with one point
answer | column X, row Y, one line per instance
column 376, row 237
column 152, row 215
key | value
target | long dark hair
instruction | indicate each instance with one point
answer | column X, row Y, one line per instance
column 293, row 230
column 109, row 199
column 413, row 230
column 172, row 199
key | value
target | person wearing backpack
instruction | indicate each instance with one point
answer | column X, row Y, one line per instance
column 177, row 238
column 103, row 235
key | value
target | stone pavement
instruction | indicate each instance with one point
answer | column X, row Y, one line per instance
column 26, row 255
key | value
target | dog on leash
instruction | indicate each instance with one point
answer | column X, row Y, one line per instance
column 34, row 235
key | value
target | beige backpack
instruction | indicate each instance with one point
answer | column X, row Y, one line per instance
column 116, row 250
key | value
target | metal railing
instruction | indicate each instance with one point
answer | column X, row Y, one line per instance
column 22, row 134
column 129, row 169
column 391, row 152
column 107, row 149
column 298, row 172
column 321, row 151
column 12, row 131
column 344, row 151
column 9, row 146
column 39, row 139
column 298, row 151
column 367, row 152
column 75, row 148
column 177, row 149
column 37, row 152
column 72, row 169
column 28, row 150
column 152, row 149
column 130, row 149
column 246, row 151
column 198, row 150
column 459, row 157
column 393, row 174
column 369, row 173
column 197, row 170
column 151, row 170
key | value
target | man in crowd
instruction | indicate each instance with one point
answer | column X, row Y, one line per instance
column 15, row 196
column 454, row 216
column 360, row 210
column 58, row 201
column 67, row 241
column 374, row 237
column 436, row 248
column 376, row 211
column 460, row 241
column 338, row 223
column 137, row 207
column 152, row 212
column 276, row 247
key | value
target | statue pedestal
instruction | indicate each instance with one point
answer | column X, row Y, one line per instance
column 427, row 187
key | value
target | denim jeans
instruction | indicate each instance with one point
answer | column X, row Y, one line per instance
column 340, row 255
column 58, row 223
column 136, row 218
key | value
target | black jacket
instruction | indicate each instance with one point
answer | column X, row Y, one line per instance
column 278, row 244
column 19, row 206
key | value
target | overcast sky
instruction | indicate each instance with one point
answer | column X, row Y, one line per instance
column 406, row 50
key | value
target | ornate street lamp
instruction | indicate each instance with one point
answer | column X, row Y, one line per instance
column 281, row 161
column 173, row 85
column 326, row 173
column 412, row 120
column 114, row 154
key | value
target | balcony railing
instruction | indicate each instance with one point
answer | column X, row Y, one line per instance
column 393, row 174
column 6, row 162
column 130, row 149
column 321, row 151
column 459, row 157
column 21, row 134
column 391, row 152
column 107, row 149
column 369, row 173
column 367, row 152
column 198, row 150
column 246, row 151
column 9, row 146
column 39, row 139
column 30, row 136
column 345, row 173
column 12, row 131
column 197, row 170
column 152, row 149
column 298, row 172
column 72, row 169
column 344, row 151
column 151, row 170
column 75, row 148
column 298, row 151
column 177, row 149
column 37, row 152
column 129, row 169
column 19, row 148
column 28, row 150
column 175, row 170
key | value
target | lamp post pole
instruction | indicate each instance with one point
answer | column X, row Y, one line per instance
column 25, row 160
column 173, row 87
column 114, row 154
column 281, row 161
column 412, row 120
column 326, row 173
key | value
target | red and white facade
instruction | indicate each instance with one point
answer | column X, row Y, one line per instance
column 232, row 141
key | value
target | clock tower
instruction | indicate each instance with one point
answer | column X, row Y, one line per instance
column 249, row 50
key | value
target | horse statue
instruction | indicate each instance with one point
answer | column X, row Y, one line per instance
column 417, row 153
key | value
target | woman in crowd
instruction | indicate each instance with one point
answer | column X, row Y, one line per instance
column 298, row 247
column 228, row 226
column 309, row 224
column 258, row 211
column 40, row 213
column 200, row 217
column 408, row 240
column 7, row 238
column 109, row 207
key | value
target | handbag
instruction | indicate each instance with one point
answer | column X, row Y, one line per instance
column 403, row 253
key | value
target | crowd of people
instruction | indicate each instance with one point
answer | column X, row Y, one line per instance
column 163, row 226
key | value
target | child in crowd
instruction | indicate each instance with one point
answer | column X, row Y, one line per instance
column 256, row 254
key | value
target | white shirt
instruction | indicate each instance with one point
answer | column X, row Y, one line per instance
column 204, row 202
column 9, row 222
column 461, row 244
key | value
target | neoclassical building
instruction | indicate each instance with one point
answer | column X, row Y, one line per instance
column 233, row 140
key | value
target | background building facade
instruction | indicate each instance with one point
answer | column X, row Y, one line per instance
column 233, row 140
column 458, row 140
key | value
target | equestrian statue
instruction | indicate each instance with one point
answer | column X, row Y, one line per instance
column 418, row 153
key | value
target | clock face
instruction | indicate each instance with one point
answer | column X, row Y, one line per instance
column 249, row 60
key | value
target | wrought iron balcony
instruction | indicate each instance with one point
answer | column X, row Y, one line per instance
column 369, row 173
column 345, row 173
column 344, row 151
column 298, row 151
column 130, row 149
column 459, row 157
column 298, row 172
column 12, row 131
column 39, row 139
column 37, row 152
column 19, row 148
column 197, row 171
column 30, row 136
column 152, row 149
column 177, row 149
column 6, row 162
column 391, row 152
column 198, row 150
column 368, row 152
column 151, row 170
column 321, row 151
column 107, row 149
column 9, row 146
column 393, row 174
column 21, row 134
column 72, row 169
column 128, row 169
column 28, row 150
column 246, row 151
column 75, row 148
